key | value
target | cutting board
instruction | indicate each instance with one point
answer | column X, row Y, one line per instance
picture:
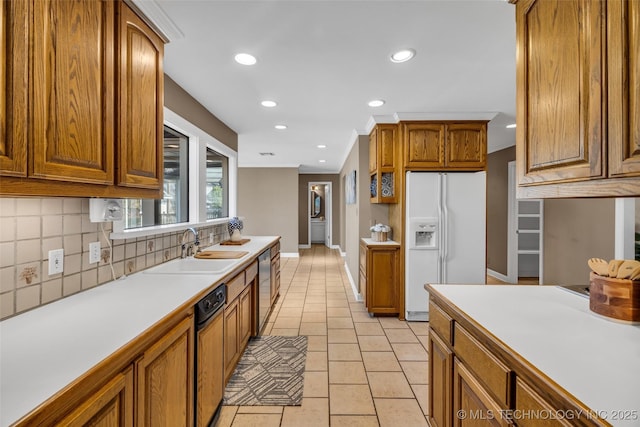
column 236, row 243
column 220, row 254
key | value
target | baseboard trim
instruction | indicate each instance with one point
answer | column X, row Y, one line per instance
column 354, row 288
column 304, row 246
column 497, row 275
column 289, row 255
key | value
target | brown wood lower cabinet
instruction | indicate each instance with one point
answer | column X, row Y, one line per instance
column 440, row 368
column 476, row 380
column 380, row 274
column 239, row 319
column 111, row 406
column 165, row 380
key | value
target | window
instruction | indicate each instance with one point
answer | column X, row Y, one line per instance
column 173, row 208
column 217, row 185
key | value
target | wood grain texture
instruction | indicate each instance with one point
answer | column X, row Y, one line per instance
column 111, row 406
column 423, row 145
column 231, row 338
column 618, row 187
column 210, row 375
column 551, row 392
column 466, row 146
column 615, row 298
column 235, row 286
column 623, row 78
column 140, row 124
column 528, row 401
column 72, row 101
column 220, row 254
column 373, row 151
column 14, row 42
column 165, row 379
column 381, row 279
column 386, row 147
column 560, row 90
column 440, row 382
column 246, row 315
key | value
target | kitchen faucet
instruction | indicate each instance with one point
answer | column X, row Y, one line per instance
column 187, row 249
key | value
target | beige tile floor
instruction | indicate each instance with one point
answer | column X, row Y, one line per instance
column 360, row 371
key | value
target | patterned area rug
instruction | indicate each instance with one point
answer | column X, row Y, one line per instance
column 270, row 372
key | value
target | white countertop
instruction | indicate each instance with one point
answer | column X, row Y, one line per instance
column 595, row 359
column 371, row 242
column 45, row 349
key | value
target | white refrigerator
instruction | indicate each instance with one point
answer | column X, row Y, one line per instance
column 445, row 234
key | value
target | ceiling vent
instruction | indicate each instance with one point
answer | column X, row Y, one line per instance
column 267, row 154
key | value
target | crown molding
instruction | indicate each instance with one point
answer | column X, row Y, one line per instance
column 158, row 18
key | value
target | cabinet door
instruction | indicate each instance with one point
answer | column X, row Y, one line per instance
column 424, row 145
column 387, row 147
column 623, row 66
column 466, row 146
column 111, row 406
column 530, row 402
column 560, row 90
column 470, row 399
column 231, row 337
column 14, row 25
column 165, row 379
column 210, row 379
column 245, row 300
column 381, row 281
column 440, row 377
column 140, row 138
column 275, row 277
column 72, row 103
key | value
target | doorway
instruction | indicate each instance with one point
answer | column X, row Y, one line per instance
column 525, row 237
column 319, row 213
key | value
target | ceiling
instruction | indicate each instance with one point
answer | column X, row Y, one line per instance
column 322, row 61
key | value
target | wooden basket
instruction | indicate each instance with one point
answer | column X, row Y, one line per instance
column 615, row 298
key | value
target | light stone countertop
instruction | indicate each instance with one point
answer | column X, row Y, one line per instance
column 45, row 349
column 595, row 359
column 371, row 242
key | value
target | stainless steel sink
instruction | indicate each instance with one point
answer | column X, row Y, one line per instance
column 193, row 266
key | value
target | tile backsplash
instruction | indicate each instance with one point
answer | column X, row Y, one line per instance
column 31, row 227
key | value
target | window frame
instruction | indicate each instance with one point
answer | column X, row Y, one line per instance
column 199, row 141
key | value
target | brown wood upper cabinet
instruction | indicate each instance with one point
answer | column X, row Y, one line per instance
column 577, row 82
column 384, row 163
column 64, row 65
column 445, row 146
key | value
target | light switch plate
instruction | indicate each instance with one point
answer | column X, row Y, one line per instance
column 56, row 261
column 94, row 252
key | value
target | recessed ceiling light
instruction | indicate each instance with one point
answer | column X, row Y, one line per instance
column 403, row 55
column 511, row 126
column 376, row 103
column 245, row 59
column 322, row 161
column 280, row 127
column 322, row 146
column 269, row 104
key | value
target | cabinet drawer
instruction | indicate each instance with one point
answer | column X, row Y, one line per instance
column 493, row 373
column 530, row 402
column 440, row 322
column 275, row 249
column 235, row 286
column 251, row 272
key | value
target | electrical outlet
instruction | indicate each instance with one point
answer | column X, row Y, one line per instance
column 211, row 238
column 56, row 261
column 94, row 252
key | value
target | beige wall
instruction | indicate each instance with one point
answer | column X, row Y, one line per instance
column 498, row 208
column 303, row 209
column 268, row 201
column 359, row 216
column 574, row 231
column 180, row 102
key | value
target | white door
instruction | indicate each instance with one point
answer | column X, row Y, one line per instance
column 525, row 239
column 465, row 227
column 327, row 215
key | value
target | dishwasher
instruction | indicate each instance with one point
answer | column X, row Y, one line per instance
column 209, row 360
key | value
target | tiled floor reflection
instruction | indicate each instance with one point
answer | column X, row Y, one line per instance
column 360, row 370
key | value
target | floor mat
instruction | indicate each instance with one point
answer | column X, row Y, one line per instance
column 270, row 372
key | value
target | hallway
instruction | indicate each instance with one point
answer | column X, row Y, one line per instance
column 360, row 371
